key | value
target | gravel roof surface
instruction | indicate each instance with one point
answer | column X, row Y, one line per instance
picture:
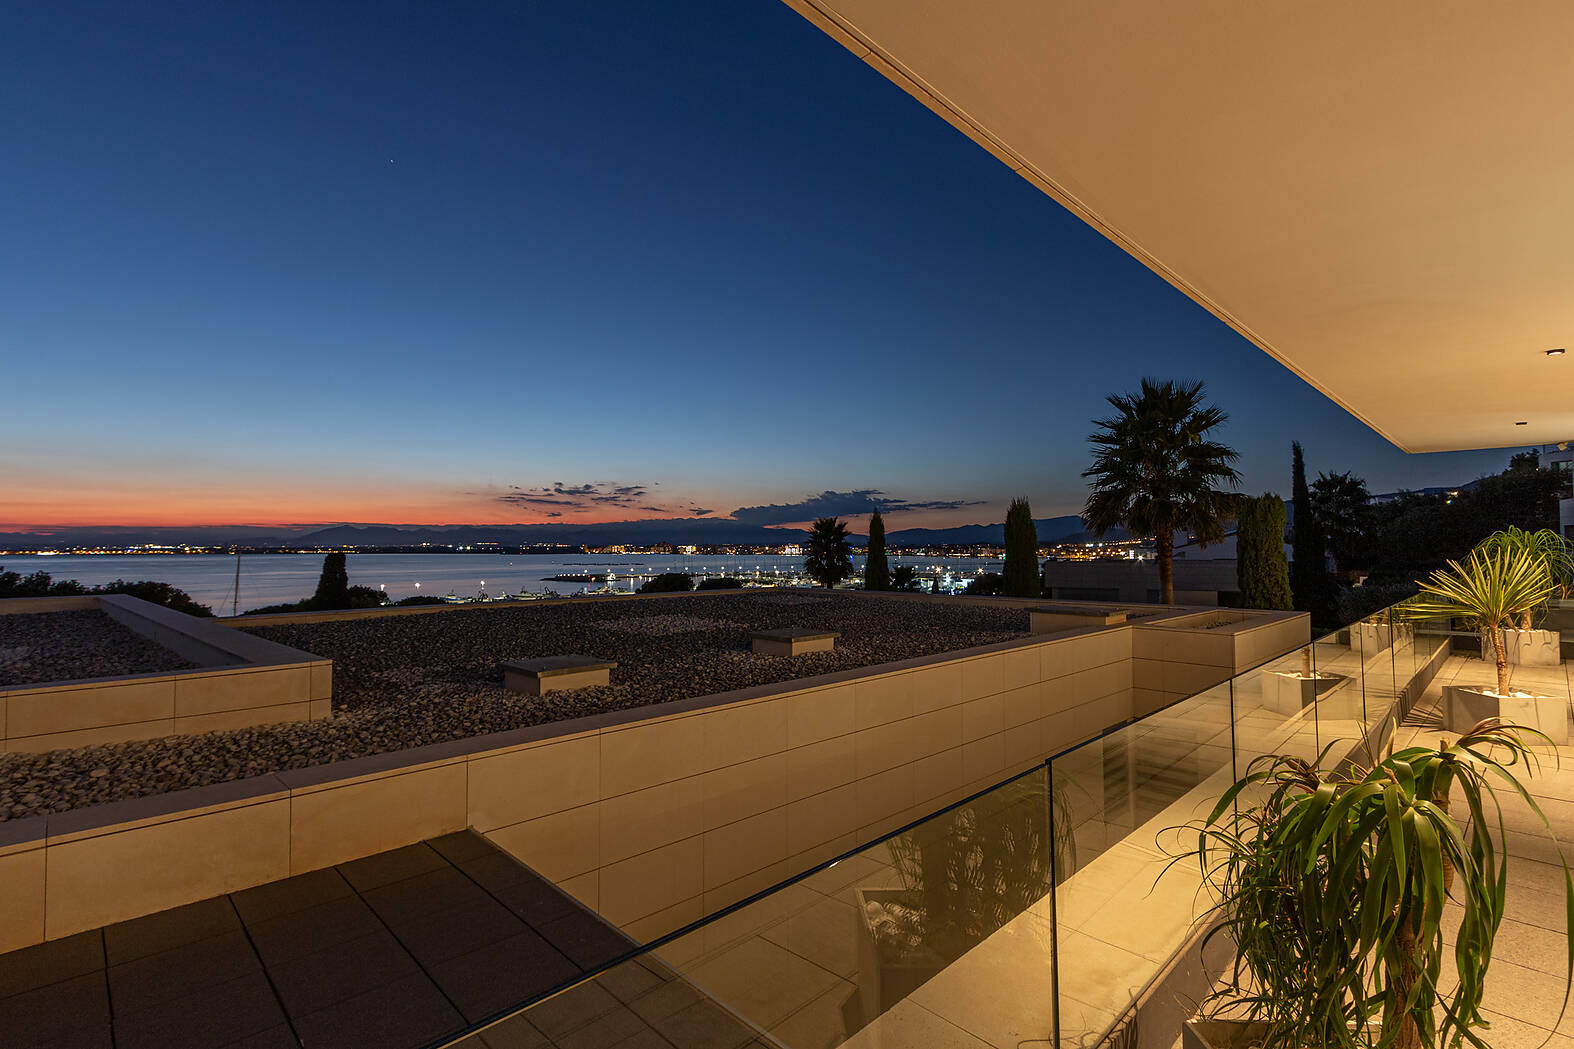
column 39, row 647
column 406, row 681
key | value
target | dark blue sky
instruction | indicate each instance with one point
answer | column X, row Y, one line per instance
column 270, row 263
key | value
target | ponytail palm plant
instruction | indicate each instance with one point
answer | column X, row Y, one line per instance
column 1494, row 586
column 1333, row 888
column 1548, row 548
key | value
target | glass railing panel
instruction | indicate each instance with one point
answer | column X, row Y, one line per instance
column 1274, row 708
column 1127, row 793
column 1408, row 660
column 814, row 963
column 1376, row 645
column 1339, row 688
column 811, row 963
column 1041, row 908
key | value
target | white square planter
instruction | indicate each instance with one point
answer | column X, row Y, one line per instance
column 1532, row 648
column 1198, row 1033
column 1464, row 705
column 1289, row 693
column 1371, row 638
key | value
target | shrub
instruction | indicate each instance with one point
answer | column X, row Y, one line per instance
column 268, row 610
column 1353, row 603
column 420, row 599
column 720, row 582
column 989, row 584
column 365, row 597
column 905, row 578
column 41, row 584
column 667, row 583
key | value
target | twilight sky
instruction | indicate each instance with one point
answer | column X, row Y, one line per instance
column 420, row 263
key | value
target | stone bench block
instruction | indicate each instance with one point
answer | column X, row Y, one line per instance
column 791, row 641
column 535, row 676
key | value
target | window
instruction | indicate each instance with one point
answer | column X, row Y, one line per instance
column 1564, row 469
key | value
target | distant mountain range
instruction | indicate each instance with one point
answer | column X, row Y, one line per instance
column 700, row 532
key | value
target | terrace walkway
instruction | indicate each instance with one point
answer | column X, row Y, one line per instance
column 393, row 951
column 1530, row 959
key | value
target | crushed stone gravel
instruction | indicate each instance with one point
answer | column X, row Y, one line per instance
column 40, row 647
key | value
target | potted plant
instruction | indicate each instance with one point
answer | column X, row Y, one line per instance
column 1495, row 586
column 1290, row 692
column 1522, row 642
column 1377, row 632
column 1332, row 885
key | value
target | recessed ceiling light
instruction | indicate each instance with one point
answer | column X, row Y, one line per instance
column 1560, row 351
column 1522, row 422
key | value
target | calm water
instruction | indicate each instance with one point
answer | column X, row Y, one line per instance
column 270, row 579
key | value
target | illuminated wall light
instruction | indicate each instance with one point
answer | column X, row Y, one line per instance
column 1560, row 351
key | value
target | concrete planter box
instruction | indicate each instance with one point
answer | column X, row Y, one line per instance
column 1229, row 1034
column 1289, row 693
column 1373, row 638
column 1532, row 648
column 1221, row 1034
column 1465, row 705
column 239, row 681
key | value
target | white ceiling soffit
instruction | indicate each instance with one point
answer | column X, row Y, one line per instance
column 1379, row 195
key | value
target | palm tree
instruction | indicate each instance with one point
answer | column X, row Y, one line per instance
column 1155, row 471
column 1494, row 586
column 827, row 554
column 1549, row 549
column 1343, row 505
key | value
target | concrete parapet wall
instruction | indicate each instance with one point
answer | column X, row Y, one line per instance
column 653, row 817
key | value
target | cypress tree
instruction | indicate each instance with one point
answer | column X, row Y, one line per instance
column 1021, row 568
column 1261, row 570
column 1247, row 551
column 333, row 586
column 877, row 573
column 1308, row 573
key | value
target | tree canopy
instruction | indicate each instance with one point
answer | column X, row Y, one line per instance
column 1156, row 471
column 827, row 553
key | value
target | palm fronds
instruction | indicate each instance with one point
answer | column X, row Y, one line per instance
column 1491, row 588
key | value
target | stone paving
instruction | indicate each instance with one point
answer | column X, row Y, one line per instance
column 1529, row 975
column 399, row 950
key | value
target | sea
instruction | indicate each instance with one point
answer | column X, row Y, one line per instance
column 271, row 579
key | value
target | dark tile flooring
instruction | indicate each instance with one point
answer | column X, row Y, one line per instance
column 395, row 951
